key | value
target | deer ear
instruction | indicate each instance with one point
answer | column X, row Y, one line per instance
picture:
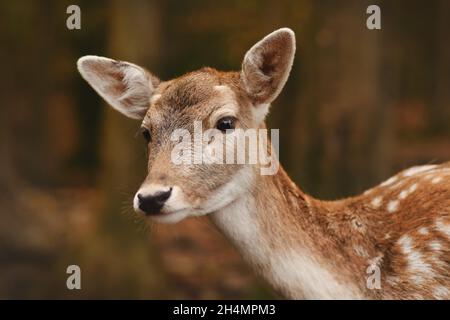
column 267, row 64
column 125, row 86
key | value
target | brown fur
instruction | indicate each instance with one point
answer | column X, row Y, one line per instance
column 332, row 230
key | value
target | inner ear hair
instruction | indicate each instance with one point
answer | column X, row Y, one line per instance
column 267, row 65
column 125, row 86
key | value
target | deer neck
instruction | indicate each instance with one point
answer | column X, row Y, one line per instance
column 275, row 226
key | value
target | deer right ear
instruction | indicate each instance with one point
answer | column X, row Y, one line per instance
column 125, row 86
column 267, row 65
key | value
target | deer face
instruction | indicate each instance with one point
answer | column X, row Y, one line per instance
column 216, row 105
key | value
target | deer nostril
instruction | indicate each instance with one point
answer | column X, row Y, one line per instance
column 153, row 204
column 163, row 196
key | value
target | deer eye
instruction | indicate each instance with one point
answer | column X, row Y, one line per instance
column 146, row 134
column 226, row 123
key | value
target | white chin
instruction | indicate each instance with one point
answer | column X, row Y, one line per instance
column 169, row 218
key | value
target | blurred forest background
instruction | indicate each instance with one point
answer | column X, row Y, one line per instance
column 359, row 106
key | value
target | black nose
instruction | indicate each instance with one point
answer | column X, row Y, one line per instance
column 153, row 203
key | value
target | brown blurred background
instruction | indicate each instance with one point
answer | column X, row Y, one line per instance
column 359, row 106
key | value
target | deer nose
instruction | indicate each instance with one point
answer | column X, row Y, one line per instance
column 153, row 203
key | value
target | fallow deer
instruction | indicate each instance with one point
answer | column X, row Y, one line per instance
column 304, row 247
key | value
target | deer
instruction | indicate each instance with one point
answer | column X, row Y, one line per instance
column 397, row 232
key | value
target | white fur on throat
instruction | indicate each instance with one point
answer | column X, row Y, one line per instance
column 292, row 271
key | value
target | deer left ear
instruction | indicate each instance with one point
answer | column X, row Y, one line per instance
column 125, row 86
column 267, row 65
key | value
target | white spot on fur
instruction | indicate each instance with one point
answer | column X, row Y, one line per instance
column 412, row 188
column 392, row 206
column 376, row 202
column 418, row 268
column 423, row 231
column 436, row 180
column 360, row 251
column 403, row 194
column 443, row 227
column 435, row 245
column 389, row 181
column 441, row 292
column 418, row 169
column 397, row 185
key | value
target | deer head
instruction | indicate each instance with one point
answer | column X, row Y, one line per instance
column 222, row 102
